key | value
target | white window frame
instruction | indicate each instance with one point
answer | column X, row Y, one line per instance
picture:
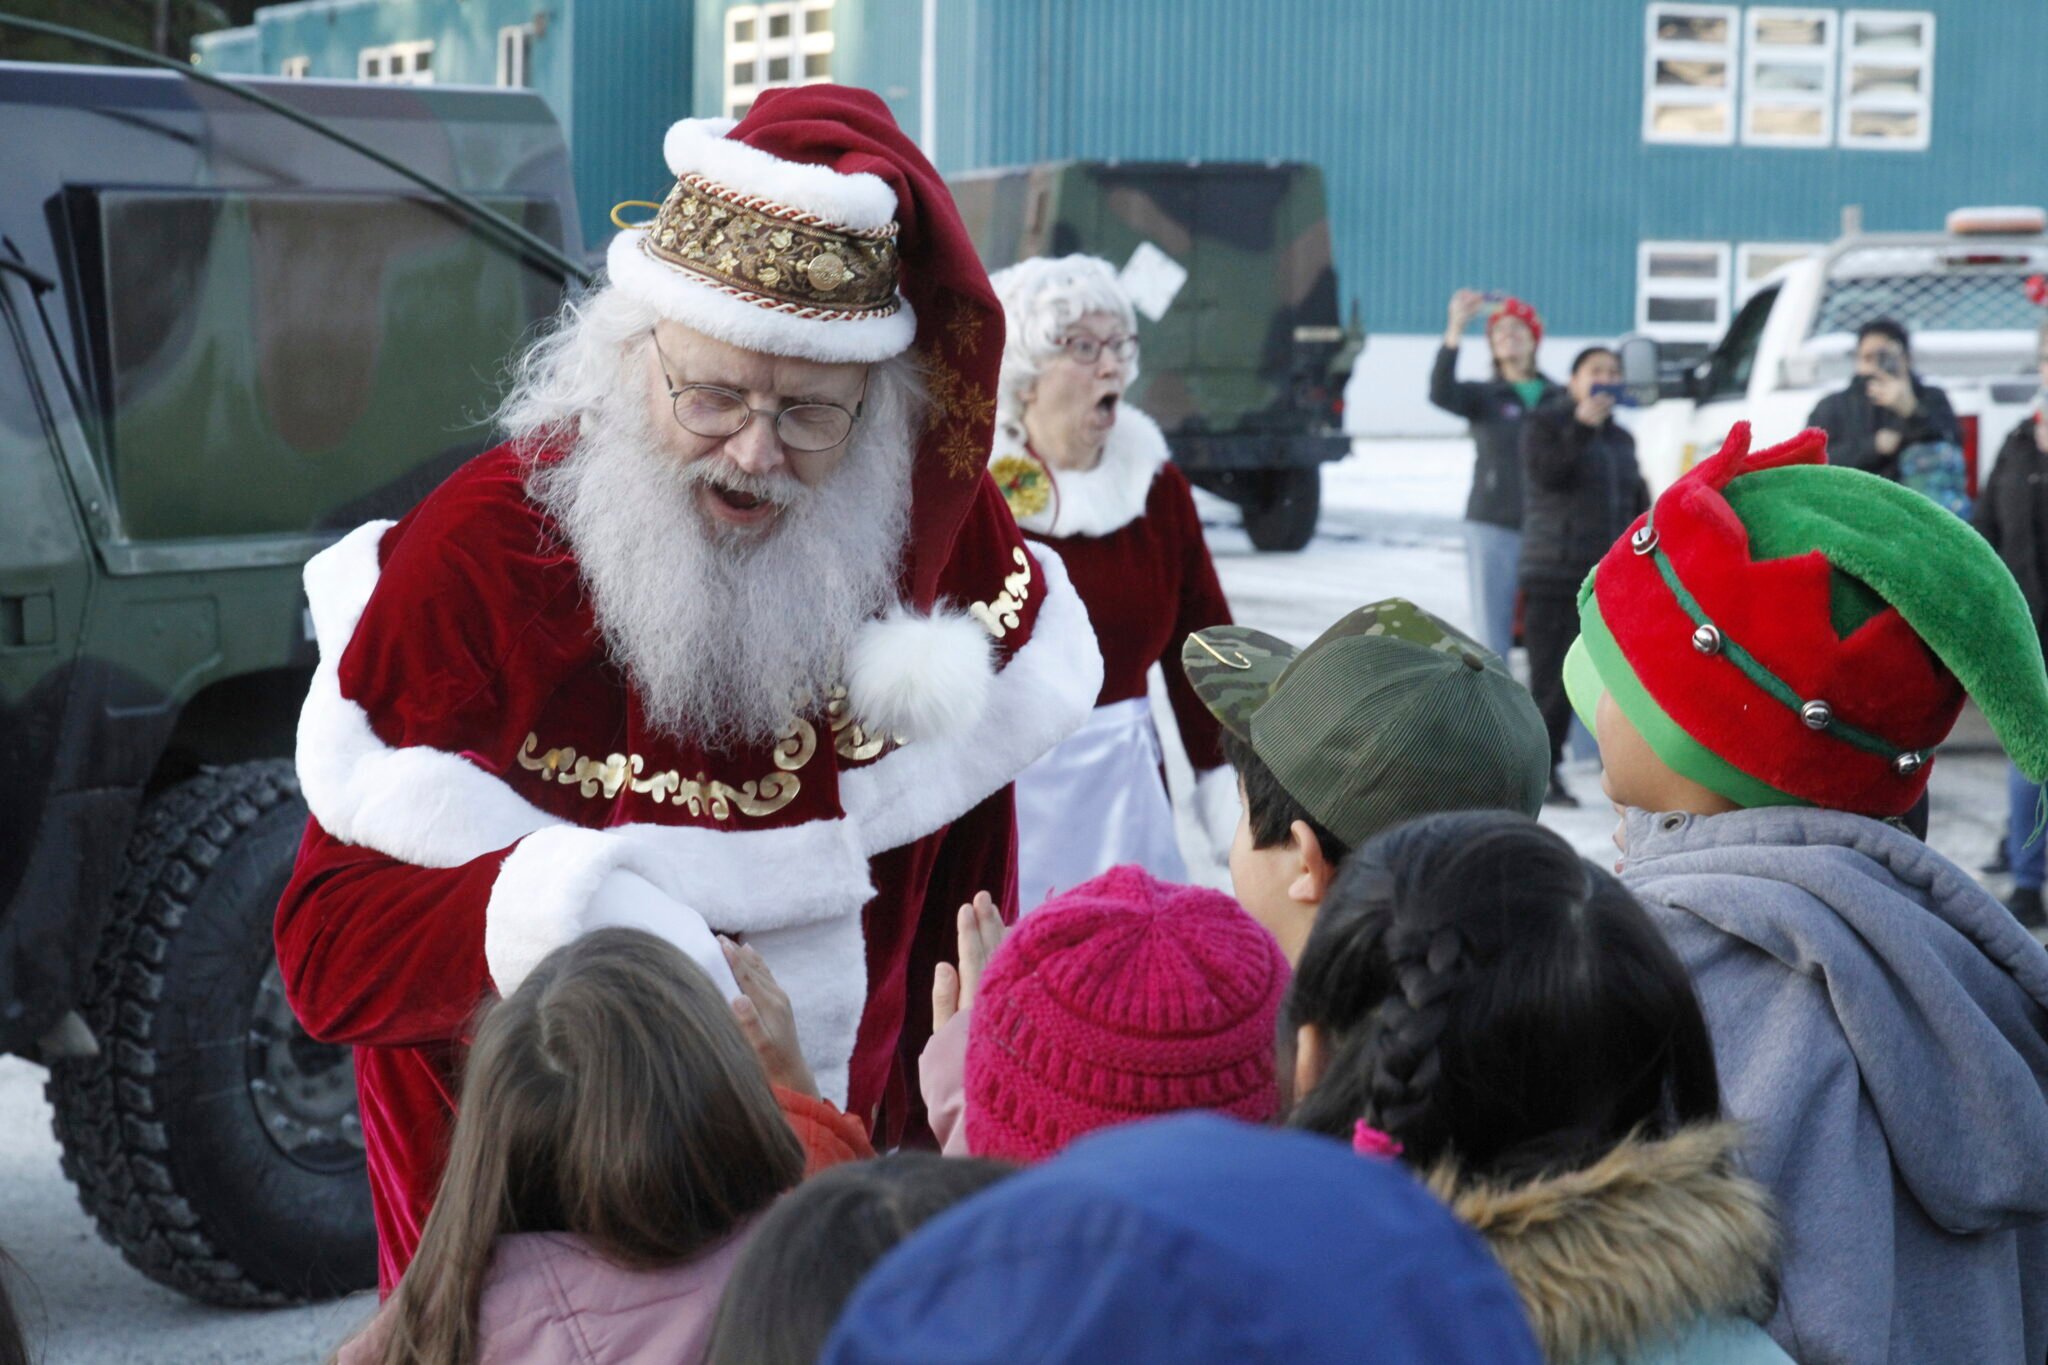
column 515, row 56
column 1656, row 49
column 1748, row 278
column 295, row 68
column 1922, row 60
column 757, row 52
column 397, row 63
column 1714, row 289
column 1821, row 59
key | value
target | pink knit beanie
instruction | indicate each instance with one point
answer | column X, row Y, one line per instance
column 1123, row 998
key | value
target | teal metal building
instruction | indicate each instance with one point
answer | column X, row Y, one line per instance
column 1622, row 163
column 615, row 72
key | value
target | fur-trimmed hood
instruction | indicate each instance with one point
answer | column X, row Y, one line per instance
column 1088, row 502
column 1633, row 1250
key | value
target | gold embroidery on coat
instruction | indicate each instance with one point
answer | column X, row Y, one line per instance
column 763, row 796
column 1001, row 616
column 849, row 740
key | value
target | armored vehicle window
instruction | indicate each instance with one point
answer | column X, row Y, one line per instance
column 289, row 363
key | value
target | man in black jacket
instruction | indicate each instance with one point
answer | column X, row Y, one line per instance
column 1580, row 490
column 1885, row 408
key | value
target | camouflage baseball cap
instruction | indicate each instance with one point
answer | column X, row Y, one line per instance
column 1391, row 713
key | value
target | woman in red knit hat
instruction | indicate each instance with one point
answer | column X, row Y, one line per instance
column 1089, row 475
column 1496, row 408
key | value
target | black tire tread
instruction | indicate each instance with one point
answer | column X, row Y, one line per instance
column 105, row 1106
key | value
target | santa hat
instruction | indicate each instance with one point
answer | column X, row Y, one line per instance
column 814, row 228
column 1785, row 632
column 1514, row 308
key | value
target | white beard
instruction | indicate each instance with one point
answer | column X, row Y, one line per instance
column 724, row 632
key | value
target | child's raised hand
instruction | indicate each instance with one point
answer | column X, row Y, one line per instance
column 981, row 933
column 767, row 1020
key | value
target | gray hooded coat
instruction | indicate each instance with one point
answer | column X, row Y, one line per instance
column 1881, row 1028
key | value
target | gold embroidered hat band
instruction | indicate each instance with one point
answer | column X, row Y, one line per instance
column 771, row 255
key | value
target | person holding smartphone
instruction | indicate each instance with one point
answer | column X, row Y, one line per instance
column 1885, row 409
column 1582, row 489
column 1496, row 408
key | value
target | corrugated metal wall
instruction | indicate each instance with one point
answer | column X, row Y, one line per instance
column 633, row 77
column 1490, row 142
column 616, row 72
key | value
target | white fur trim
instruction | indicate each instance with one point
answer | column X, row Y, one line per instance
column 1109, row 497
column 1044, row 694
column 419, row 805
column 701, row 147
column 552, row 888
column 920, row 677
column 695, row 302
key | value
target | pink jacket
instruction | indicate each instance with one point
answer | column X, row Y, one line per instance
column 942, row 1080
column 548, row 1297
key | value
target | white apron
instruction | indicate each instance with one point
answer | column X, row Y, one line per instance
column 1095, row 802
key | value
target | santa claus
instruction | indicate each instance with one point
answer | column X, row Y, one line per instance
column 734, row 634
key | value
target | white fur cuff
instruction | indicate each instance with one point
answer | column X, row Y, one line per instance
column 538, row 900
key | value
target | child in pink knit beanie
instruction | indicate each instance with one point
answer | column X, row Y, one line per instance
column 1124, row 998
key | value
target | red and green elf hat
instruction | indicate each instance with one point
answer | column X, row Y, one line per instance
column 1785, row 632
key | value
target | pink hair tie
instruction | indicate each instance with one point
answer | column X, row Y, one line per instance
column 1367, row 1140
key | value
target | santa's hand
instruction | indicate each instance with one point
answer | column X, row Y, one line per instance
column 627, row 900
column 1218, row 809
column 765, row 1017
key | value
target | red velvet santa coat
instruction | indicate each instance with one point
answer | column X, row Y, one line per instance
column 1131, row 540
column 476, row 766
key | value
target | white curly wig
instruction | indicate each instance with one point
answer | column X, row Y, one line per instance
column 1042, row 298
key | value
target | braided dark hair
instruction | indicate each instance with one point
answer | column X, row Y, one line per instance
column 1485, row 993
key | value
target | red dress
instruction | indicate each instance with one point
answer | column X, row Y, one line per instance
column 476, row 766
column 1132, row 542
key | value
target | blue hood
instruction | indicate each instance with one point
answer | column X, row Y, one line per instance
column 1192, row 1239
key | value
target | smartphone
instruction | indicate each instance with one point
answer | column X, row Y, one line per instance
column 1618, row 392
column 1892, row 363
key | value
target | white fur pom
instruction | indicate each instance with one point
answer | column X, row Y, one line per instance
column 920, row 677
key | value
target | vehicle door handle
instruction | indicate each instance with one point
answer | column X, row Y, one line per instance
column 28, row 620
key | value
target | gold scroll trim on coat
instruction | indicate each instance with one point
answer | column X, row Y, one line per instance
column 1000, row 615
column 605, row 778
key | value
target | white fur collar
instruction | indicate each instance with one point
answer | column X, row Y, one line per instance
column 1091, row 502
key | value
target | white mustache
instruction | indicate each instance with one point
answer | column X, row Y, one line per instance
column 782, row 491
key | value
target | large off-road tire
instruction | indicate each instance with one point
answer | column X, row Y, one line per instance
column 211, row 1140
column 1281, row 512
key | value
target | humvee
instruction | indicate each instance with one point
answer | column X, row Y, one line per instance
column 224, row 341
column 1245, row 370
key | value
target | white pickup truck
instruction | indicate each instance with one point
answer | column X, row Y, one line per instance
column 1961, row 293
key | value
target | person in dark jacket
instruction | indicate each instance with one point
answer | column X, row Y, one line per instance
column 1496, row 409
column 1885, row 408
column 1582, row 489
column 2012, row 513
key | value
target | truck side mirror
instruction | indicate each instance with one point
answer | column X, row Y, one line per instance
column 1641, row 360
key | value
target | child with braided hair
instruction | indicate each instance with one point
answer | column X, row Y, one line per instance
column 1481, row 1002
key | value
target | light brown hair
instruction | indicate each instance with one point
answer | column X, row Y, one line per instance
column 611, row 1096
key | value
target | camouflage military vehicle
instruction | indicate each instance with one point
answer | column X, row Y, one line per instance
column 224, row 340
column 1245, row 370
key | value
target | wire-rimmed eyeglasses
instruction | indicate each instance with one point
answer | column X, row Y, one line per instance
column 1084, row 349
column 716, row 412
